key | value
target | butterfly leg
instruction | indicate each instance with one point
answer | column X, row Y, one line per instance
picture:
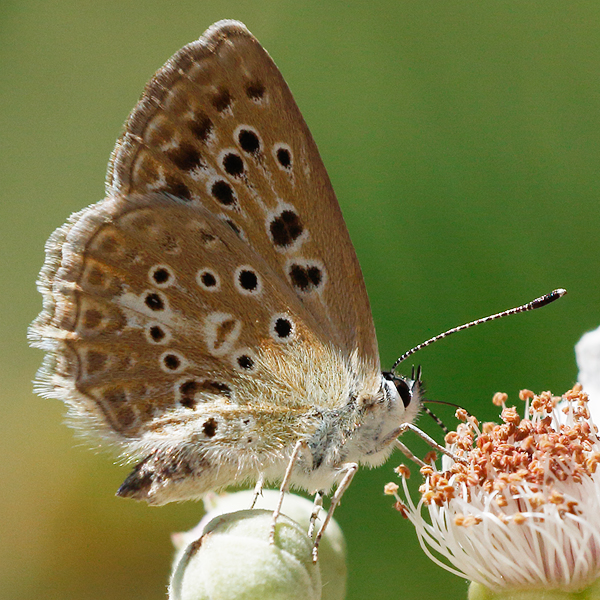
column 430, row 441
column 350, row 470
column 258, row 488
column 285, row 484
column 406, row 451
column 318, row 505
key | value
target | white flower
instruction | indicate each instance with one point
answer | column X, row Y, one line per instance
column 587, row 351
column 520, row 509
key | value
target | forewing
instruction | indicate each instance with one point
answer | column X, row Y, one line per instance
column 217, row 126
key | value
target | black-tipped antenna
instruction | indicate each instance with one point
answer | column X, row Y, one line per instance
column 537, row 303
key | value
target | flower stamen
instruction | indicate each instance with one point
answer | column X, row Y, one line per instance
column 528, row 491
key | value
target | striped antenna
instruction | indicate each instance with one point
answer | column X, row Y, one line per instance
column 537, row 303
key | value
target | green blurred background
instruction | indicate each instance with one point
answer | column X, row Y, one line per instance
column 463, row 141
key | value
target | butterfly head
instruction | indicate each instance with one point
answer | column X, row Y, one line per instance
column 402, row 395
column 380, row 416
column 401, row 388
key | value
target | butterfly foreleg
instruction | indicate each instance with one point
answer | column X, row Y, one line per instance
column 285, row 484
column 428, row 440
column 349, row 470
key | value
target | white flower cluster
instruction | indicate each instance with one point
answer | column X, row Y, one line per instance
column 520, row 506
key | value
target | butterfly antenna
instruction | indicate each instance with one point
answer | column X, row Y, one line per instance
column 537, row 303
column 435, row 418
column 457, row 406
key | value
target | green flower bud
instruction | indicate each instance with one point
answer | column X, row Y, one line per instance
column 332, row 550
column 234, row 560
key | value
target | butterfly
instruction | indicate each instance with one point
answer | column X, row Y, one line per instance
column 209, row 317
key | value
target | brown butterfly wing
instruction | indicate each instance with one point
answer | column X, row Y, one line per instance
column 218, row 126
column 211, row 307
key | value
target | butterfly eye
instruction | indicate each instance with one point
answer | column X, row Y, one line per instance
column 404, row 391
